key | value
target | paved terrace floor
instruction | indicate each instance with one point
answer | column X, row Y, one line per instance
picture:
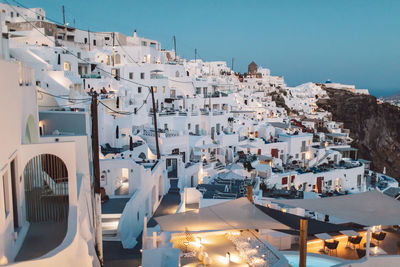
column 40, row 239
column 116, row 256
column 216, row 246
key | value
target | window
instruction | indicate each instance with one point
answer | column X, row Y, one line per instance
column 297, row 156
column 17, row 14
column 165, row 126
column 142, row 75
column 106, row 38
column 155, row 89
column 79, row 54
column 359, row 180
column 131, row 75
column 94, row 42
column 139, row 90
column 163, row 89
column 67, row 66
column 198, row 90
column 188, row 126
column 12, row 14
column 85, row 40
column 6, row 193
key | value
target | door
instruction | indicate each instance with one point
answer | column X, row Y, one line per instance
column 274, row 152
column 14, row 181
column 319, row 184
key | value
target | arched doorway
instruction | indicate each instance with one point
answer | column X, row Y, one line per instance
column 46, row 189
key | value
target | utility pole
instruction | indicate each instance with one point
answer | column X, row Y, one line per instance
column 155, row 122
column 113, row 56
column 88, row 36
column 195, row 55
column 175, row 46
column 303, row 242
column 63, row 10
column 96, row 178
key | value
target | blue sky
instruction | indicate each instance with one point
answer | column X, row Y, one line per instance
column 354, row 42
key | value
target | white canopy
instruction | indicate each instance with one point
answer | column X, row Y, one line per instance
column 235, row 214
column 368, row 208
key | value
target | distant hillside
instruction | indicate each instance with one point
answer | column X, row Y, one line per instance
column 374, row 127
column 396, row 96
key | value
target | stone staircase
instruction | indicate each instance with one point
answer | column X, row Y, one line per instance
column 174, row 186
column 109, row 224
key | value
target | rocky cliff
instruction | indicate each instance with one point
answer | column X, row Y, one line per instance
column 374, row 127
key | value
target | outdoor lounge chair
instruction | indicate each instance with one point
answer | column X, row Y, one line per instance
column 355, row 240
column 331, row 246
column 379, row 236
column 361, row 253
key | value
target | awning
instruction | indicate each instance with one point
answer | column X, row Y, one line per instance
column 293, row 221
column 236, row 214
column 368, row 208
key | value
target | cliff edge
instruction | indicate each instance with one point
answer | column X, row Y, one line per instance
column 374, row 127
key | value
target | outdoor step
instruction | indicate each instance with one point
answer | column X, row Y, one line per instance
column 174, row 190
column 109, row 225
